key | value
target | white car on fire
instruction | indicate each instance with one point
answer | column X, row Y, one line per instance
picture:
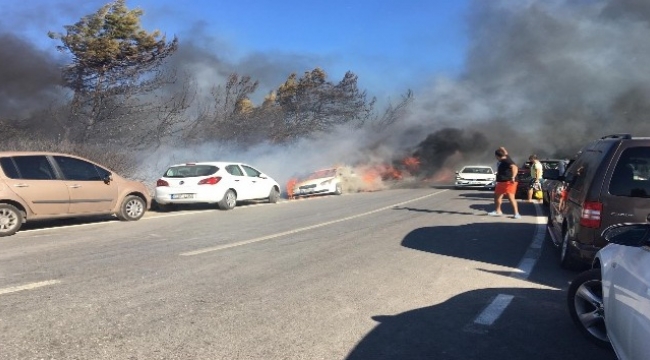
column 327, row 181
column 222, row 183
column 475, row 176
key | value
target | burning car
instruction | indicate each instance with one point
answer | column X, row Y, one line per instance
column 328, row 181
column 475, row 176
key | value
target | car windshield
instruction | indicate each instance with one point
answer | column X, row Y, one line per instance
column 183, row 171
column 477, row 170
column 321, row 174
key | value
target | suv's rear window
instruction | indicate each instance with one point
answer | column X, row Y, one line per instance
column 631, row 176
column 183, row 171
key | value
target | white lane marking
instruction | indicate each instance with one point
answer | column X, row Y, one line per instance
column 273, row 236
column 28, row 286
column 494, row 310
column 531, row 256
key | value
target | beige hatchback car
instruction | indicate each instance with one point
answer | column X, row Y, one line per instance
column 43, row 185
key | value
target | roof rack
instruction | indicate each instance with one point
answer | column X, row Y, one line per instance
column 617, row 136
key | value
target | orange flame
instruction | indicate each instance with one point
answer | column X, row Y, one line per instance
column 411, row 163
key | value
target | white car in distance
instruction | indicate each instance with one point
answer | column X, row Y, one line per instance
column 222, row 183
column 475, row 176
column 610, row 303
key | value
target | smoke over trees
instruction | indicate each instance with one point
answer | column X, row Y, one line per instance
column 538, row 77
column 120, row 89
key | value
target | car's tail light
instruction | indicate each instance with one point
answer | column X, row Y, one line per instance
column 161, row 182
column 590, row 216
column 210, row 181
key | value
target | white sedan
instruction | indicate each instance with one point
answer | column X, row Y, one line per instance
column 223, row 183
column 611, row 302
column 476, row 176
column 328, row 181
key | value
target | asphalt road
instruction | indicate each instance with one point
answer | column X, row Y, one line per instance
column 398, row 274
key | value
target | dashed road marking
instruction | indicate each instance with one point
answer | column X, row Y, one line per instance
column 496, row 308
column 31, row 286
column 294, row 231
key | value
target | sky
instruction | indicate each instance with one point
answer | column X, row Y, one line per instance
column 536, row 76
column 391, row 45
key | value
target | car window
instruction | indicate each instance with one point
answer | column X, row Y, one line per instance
column 477, row 171
column 631, row 175
column 550, row 165
column 250, row 171
column 234, row 170
column 9, row 168
column 183, row 171
column 80, row 170
column 30, row 167
column 574, row 173
column 321, row 174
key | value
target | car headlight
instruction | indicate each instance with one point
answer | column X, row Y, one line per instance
column 326, row 182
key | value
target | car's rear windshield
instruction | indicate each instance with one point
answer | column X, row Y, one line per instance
column 631, row 176
column 321, row 174
column 183, row 171
column 474, row 170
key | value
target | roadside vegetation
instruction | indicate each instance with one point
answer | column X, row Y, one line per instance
column 123, row 94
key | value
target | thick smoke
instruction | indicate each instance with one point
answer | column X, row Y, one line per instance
column 540, row 76
column 547, row 76
column 29, row 79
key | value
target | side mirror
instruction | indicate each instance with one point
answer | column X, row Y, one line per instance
column 456, row 172
column 628, row 234
column 263, row 176
column 108, row 178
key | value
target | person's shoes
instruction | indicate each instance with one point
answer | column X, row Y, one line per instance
column 495, row 213
column 516, row 216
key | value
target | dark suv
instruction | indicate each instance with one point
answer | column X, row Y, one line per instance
column 607, row 183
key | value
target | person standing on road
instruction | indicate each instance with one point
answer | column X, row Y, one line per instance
column 536, row 171
column 506, row 183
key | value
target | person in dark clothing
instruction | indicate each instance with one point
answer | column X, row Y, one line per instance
column 506, row 183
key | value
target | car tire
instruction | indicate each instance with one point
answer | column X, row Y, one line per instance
column 132, row 208
column 229, row 200
column 567, row 259
column 11, row 219
column 339, row 189
column 585, row 302
column 274, row 195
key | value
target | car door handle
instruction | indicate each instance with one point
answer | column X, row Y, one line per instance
column 75, row 186
column 21, row 185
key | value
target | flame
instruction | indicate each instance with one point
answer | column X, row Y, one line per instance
column 412, row 164
column 290, row 185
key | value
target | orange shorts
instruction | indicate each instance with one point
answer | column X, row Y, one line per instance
column 505, row 187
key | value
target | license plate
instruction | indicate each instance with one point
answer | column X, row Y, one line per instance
column 183, row 196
